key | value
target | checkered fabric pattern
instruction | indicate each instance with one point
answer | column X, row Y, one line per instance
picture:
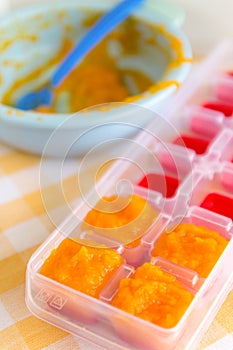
column 24, row 224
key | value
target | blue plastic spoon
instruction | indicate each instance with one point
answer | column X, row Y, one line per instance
column 100, row 29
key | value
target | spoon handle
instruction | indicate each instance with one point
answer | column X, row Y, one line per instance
column 100, row 29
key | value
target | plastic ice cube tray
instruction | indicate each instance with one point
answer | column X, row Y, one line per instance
column 187, row 177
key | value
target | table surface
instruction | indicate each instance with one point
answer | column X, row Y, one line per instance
column 25, row 221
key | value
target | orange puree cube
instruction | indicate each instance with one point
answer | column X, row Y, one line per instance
column 115, row 218
column 195, row 247
column 153, row 295
column 117, row 212
column 80, row 267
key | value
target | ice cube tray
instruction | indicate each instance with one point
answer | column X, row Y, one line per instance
column 190, row 181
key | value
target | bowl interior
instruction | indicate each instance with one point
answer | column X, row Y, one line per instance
column 34, row 41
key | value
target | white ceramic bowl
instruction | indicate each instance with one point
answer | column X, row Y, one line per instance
column 30, row 37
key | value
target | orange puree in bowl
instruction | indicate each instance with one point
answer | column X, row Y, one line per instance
column 125, row 219
column 153, row 295
column 83, row 268
column 90, row 84
column 103, row 76
column 195, row 247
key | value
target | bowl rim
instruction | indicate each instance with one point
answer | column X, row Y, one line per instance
column 39, row 120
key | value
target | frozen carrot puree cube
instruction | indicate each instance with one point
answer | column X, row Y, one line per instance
column 86, row 269
column 125, row 219
column 116, row 216
column 153, row 295
column 195, row 247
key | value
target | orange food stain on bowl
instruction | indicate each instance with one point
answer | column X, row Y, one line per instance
column 7, row 97
column 45, row 109
column 9, row 112
column 29, row 37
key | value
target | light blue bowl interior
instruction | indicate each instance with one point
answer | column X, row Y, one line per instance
column 31, row 37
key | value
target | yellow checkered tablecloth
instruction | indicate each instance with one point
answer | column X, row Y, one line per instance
column 24, row 224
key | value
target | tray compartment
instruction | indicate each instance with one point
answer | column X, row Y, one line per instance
column 214, row 190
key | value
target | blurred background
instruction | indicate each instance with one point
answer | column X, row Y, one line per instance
column 207, row 22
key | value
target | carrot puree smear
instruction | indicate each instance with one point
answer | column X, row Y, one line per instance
column 153, row 295
column 7, row 97
column 99, row 78
column 92, row 84
column 195, row 247
column 80, row 267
